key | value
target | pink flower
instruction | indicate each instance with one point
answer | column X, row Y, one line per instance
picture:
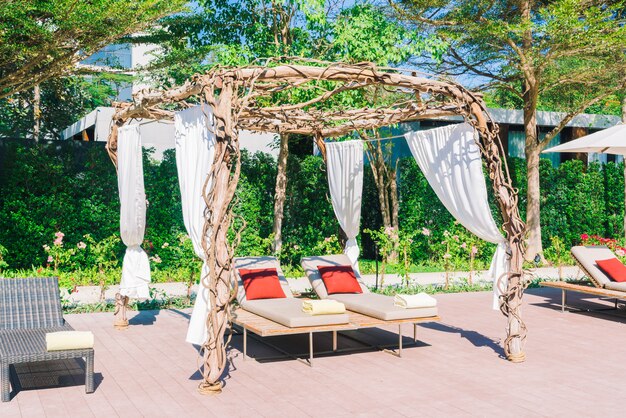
column 620, row 252
column 426, row 232
column 464, row 245
column 156, row 259
column 447, row 255
column 474, row 250
column 50, row 259
column 328, row 239
column 46, row 247
column 81, row 245
column 584, row 237
column 59, row 238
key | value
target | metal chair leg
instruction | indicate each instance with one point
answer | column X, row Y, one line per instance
column 245, row 343
column 89, row 377
column 5, row 382
column 399, row 340
column 311, row 349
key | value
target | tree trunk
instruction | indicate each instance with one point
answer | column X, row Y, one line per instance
column 36, row 112
column 386, row 183
column 624, row 121
column 280, row 194
column 533, row 196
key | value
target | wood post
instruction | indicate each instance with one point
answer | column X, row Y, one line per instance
column 236, row 96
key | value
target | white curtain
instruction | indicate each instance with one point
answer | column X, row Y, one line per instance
column 450, row 159
column 135, row 266
column 195, row 148
column 345, row 181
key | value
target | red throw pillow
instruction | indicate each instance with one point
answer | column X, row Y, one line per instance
column 613, row 268
column 261, row 283
column 339, row 279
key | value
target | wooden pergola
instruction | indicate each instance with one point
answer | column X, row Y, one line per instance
column 247, row 97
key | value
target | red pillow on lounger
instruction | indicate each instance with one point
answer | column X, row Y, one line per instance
column 261, row 283
column 613, row 268
column 339, row 279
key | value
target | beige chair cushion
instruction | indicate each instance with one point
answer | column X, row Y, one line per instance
column 288, row 312
column 259, row 263
column 309, row 264
column 620, row 286
column 380, row 306
column 587, row 256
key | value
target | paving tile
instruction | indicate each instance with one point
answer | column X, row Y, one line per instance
column 456, row 370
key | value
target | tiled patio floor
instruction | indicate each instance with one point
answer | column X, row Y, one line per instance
column 576, row 366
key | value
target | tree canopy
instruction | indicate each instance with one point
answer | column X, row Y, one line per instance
column 41, row 39
column 568, row 54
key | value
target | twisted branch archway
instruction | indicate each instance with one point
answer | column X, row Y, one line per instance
column 244, row 98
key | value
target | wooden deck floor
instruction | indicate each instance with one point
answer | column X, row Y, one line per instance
column 575, row 367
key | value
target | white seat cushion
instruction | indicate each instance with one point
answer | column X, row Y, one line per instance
column 380, row 306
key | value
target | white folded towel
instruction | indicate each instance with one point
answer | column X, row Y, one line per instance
column 420, row 300
column 323, row 307
column 69, row 340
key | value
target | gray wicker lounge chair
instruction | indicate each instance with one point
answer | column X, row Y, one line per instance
column 30, row 308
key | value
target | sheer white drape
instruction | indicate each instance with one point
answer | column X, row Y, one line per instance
column 195, row 148
column 450, row 159
column 345, row 180
column 135, row 266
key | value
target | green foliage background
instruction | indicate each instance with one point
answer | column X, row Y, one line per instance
column 71, row 187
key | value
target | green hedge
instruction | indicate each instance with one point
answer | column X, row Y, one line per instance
column 71, row 187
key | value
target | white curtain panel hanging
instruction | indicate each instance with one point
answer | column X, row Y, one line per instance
column 195, row 149
column 135, row 266
column 451, row 161
column 345, row 181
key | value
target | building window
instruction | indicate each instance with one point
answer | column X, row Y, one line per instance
column 517, row 145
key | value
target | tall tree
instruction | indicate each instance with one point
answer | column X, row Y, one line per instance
column 41, row 39
column 62, row 101
column 223, row 32
column 570, row 49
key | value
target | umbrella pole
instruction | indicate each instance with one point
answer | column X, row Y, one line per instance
column 624, row 122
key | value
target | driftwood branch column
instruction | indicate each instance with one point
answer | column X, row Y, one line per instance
column 245, row 98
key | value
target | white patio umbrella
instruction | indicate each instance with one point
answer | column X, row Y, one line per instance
column 607, row 141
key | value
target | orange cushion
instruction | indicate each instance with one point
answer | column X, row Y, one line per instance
column 261, row 283
column 613, row 268
column 339, row 279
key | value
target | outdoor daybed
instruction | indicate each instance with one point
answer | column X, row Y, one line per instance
column 29, row 309
column 586, row 258
column 281, row 315
column 379, row 308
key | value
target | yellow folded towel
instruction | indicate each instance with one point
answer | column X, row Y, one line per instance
column 69, row 340
column 420, row 300
column 323, row 307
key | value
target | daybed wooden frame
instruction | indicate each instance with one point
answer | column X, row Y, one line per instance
column 591, row 290
column 264, row 327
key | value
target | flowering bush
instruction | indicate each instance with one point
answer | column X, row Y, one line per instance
column 58, row 254
column 394, row 246
column 615, row 245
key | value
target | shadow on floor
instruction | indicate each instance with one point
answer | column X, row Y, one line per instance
column 50, row 375
column 474, row 337
column 287, row 347
column 581, row 304
column 144, row 318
